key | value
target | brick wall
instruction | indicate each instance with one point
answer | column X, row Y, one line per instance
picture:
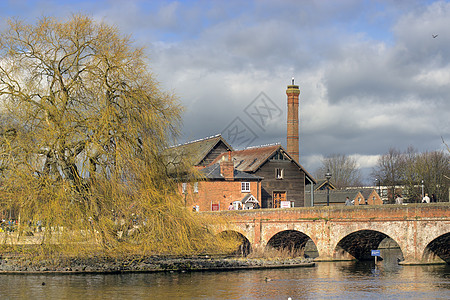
column 218, row 192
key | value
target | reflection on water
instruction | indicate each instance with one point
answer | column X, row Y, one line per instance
column 338, row 280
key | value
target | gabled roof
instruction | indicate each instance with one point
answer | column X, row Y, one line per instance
column 197, row 150
column 212, row 172
column 249, row 198
column 365, row 191
column 251, row 159
column 321, row 183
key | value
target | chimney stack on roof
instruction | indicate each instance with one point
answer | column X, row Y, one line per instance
column 227, row 167
column 292, row 138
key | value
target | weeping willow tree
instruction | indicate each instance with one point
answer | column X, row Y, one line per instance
column 82, row 131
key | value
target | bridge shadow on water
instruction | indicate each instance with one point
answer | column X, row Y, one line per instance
column 368, row 268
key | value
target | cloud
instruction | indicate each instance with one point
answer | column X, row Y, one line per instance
column 371, row 75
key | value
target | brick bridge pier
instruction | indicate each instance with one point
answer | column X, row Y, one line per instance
column 422, row 231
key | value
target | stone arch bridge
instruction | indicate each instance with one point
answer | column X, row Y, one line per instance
column 422, row 231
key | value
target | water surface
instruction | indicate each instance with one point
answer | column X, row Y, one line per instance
column 328, row 280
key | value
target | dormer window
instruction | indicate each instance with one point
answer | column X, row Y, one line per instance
column 279, row 173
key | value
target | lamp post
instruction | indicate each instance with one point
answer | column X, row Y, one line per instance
column 422, row 190
column 328, row 177
column 378, row 184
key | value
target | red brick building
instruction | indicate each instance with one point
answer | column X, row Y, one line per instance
column 222, row 185
column 371, row 197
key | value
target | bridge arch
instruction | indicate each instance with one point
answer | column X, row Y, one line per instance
column 413, row 227
column 357, row 244
column 290, row 240
column 438, row 250
column 244, row 246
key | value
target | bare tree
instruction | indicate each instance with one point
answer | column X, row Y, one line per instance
column 405, row 171
column 344, row 170
column 389, row 170
column 410, row 177
column 431, row 168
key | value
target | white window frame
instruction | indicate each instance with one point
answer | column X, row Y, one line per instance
column 245, row 187
column 184, row 188
column 195, row 187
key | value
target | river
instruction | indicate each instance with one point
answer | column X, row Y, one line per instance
column 327, row 280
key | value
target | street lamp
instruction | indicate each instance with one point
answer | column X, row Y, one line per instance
column 328, row 177
column 378, row 184
column 422, row 190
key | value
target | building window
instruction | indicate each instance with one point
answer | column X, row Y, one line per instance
column 195, row 187
column 245, row 187
column 184, row 187
column 279, row 173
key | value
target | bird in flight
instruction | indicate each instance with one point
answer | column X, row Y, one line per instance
column 434, row 36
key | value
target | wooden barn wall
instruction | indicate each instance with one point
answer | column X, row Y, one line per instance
column 293, row 182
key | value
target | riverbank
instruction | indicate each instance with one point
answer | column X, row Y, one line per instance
column 147, row 264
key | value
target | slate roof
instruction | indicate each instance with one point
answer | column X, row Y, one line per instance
column 364, row 191
column 212, row 172
column 251, row 159
column 197, row 150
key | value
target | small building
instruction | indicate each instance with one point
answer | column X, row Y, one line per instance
column 356, row 196
column 370, row 196
column 337, row 197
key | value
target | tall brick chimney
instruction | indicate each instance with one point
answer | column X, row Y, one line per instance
column 292, row 93
column 227, row 167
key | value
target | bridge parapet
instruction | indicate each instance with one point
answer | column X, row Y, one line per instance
column 382, row 212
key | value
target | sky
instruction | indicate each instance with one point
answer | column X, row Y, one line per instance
column 371, row 74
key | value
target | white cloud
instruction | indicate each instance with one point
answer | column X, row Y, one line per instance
column 366, row 161
column 370, row 74
column 434, row 78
